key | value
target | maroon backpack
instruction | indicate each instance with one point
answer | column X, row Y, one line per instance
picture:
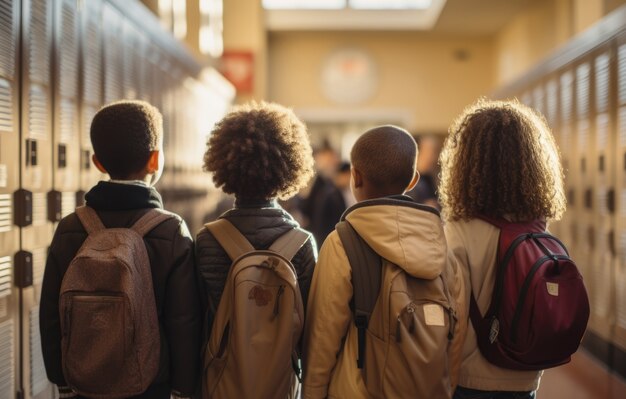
column 539, row 307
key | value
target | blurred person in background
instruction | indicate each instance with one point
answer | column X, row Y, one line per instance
column 425, row 192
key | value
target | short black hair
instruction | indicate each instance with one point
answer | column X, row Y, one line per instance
column 123, row 135
column 386, row 156
column 260, row 151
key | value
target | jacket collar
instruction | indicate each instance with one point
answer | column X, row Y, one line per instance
column 111, row 196
column 255, row 203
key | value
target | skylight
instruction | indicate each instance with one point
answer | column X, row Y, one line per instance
column 340, row 4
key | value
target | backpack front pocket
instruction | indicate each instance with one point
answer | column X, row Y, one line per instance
column 96, row 341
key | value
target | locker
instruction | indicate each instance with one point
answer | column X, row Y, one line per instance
column 36, row 166
column 131, row 61
column 113, row 54
column 91, row 90
column 66, row 145
column 620, row 217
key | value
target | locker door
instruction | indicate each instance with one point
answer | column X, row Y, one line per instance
column 551, row 115
column 113, row 54
column 602, row 182
column 9, row 183
column 36, row 177
column 91, row 90
column 131, row 51
column 620, row 189
column 66, row 150
column 567, row 146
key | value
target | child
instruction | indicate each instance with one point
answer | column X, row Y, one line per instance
column 405, row 234
column 500, row 161
column 259, row 152
column 127, row 138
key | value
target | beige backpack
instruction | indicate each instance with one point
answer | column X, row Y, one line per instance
column 405, row 325
column 251, row 352
column 110, row 332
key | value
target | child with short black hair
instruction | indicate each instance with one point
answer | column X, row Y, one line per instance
column 499, row 161
column 127, row 137
column 407, row 235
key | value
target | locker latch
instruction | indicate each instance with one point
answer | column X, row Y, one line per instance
column 31, row 152
column 62, row 160
column 23, row 269
column 86, row 159
column 23, row 208
column 54, row 206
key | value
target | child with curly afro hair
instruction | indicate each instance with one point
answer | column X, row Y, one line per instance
column 499, row 161
column 258, row 152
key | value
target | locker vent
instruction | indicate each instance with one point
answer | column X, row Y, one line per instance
column 7, row 365
column 39, row 55
column 38, row 113
column 68, row 203
column 113, row 49
column 39, row 264
column 40, row 209
column 538, row 97
column 67, row 118
column 69, row 52
column 566, row 96
column 131, row 62
column 38, row 379
column 6, row 212
column 582, row 90
column 6, row 106
column 92, row 66
column 602, row 83
column 7, row 39
column 602, row 131
column 5, row 276
column 88, row 113
column 621, row 73
column 551, row 102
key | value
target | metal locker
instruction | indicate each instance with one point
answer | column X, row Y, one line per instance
column 113, row 53
column 91, row 90
column 131, row 61
column 9, row 183
column 620, row 190
column 66, row 147
column 551, row 114
column 35, row 176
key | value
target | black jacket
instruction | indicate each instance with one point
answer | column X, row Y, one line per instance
column 170, row 249
column 261, row 222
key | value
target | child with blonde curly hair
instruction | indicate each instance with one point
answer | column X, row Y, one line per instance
column 500, row 161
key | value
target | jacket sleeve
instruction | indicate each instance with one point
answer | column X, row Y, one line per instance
column 304, row 262
column 182, row 315
column 49, row 320
column 460, row 289
column 328, row 317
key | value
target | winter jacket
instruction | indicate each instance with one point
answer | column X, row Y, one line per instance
column 261, row 222
column 475, row 246
column 170, row 249
column 401, row 231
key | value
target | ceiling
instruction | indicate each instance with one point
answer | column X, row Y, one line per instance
column 478, row 17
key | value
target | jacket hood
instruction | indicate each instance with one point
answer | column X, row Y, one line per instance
column 407, row 234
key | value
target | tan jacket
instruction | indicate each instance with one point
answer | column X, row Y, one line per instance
column 409, row 237
column 475, row 245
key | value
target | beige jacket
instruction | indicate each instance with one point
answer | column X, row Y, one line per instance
column 475, row 245
column 409, row 237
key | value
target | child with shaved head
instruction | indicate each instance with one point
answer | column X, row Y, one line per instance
column 407, row 237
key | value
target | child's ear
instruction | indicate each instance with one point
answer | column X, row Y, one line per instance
column 357, row 177
column 413, row 182
column 96, row 162
column 153, row 162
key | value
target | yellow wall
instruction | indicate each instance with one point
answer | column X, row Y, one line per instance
column 417, row 73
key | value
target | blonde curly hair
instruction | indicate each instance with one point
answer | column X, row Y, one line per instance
column 500, row 159
column 260, row 151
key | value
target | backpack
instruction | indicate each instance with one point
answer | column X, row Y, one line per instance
column 539, row 307
column 405, row 325
column 252, row 349
column 110, row 332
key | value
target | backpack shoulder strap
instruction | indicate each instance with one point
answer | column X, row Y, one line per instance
column 234, row 243
column 150, row 220
column 290, row 243
column 366, row 268
column 89, row 219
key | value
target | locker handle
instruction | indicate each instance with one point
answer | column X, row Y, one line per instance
column 23, row 208
column 610, row 200
column 55, row 205
column 23, row 269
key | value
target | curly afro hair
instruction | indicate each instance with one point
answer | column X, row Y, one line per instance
column 259, row 151
column 501, row 159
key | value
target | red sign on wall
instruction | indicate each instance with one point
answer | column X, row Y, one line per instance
column 238, row 68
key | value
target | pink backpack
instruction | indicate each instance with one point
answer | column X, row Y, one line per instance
column 539, row 307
